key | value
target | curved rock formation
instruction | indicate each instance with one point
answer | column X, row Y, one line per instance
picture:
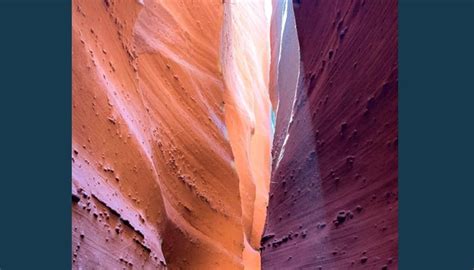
column 171, row 133
column 246, row 63
column 334, row 195
column 184, row 110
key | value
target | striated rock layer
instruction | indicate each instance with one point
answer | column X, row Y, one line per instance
column 171, row 133
column 334, row 193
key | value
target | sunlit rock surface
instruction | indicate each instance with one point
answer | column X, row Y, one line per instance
column 171, row 133
column 334, row 194
column 246, row 63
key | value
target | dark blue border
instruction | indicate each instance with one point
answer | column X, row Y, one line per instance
column 35, row 134
column 436, row 128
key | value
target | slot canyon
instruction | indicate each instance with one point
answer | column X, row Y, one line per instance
column 234, row 134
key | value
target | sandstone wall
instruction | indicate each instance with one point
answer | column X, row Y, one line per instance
column 334, row 193
column 171, row 137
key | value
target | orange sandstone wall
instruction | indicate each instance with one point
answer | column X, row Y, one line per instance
column 171, row 133
column 246, row 66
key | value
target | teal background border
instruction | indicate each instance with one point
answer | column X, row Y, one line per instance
column 35, row 134
column 436, row 134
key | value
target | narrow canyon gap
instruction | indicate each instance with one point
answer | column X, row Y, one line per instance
column 191, row 117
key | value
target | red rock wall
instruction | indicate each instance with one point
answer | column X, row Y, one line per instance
column 334, row 192
column 160, row 177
